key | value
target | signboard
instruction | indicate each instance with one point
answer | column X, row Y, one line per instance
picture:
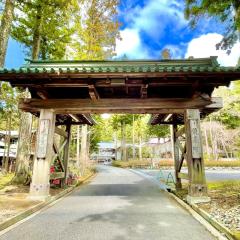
column 196, row 138
column 43, row 138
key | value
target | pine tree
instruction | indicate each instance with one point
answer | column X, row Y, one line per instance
column 43, row 26
column 5, row 28
column 227, row 11
column 97, row 30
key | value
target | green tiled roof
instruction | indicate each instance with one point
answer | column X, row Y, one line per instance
column 137, row 66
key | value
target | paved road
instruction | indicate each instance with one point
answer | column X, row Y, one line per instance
column 211, row 175
column 117, row 205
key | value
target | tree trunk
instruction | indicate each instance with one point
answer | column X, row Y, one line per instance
column 133, row 140
column 206, row 142
column 124, row 149
column 5, row 29
column 140, row 148
column 78, row 143
column 37, row 34
column 22, row 172
column 8, row 142
column 115, row 139
column 5, row 144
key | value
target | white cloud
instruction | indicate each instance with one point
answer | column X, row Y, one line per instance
column 156, row 16
column 152, row 19
column 131, row 45
column 205, row 46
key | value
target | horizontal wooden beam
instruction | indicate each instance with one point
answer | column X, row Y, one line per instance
column 149, row 105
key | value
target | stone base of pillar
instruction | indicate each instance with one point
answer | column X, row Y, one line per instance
column 194, row 200
column 39, row 192
column 197, row 193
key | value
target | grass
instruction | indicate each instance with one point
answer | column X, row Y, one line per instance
column 226, row 186
column 5, row 180
column 131, row 163
column 170, row 163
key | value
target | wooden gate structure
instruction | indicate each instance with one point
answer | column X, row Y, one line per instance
column 176, row 92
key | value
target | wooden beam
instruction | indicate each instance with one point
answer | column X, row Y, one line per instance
column 149, row 105
column 180, row 132
column 93, row 92
column 88, row 119
column 61, row 132
column 144, row 91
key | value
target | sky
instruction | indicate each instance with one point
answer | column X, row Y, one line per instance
column 149, row 26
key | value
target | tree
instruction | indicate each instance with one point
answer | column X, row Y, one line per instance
column 44, row 26
column 5, row 28
column 121, row 120
column 229, row 115
column 227, row 11
column 97, row 30
column 9, row 111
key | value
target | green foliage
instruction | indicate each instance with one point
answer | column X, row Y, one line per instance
column 132, row 164
column 102, row 131
column 97, row 29
column 9, row 105
column 229, row 115
column 5, row 180
column 159, row 131
column 227, row 11
column 45, row 21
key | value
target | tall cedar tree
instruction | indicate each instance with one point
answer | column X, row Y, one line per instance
column 43, row 26
column 97, row 30
column 5, row 28
column 227, row 11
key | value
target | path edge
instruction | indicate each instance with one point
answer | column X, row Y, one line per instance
column 216, row 229
column 22, row 215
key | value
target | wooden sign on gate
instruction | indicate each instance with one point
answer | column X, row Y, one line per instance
column 43, row 138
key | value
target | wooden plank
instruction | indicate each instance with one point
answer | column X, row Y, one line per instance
column 217, row 102
column 56, row 175
column 88, row 119
column 57, row 155
column 61, row 132
column 66, row 153
column 93, row 92
column 149, row 105
column 144, row 91
column 180, row 132
column 183, row 176
column 43, row 138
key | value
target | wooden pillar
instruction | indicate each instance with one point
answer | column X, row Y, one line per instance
column 197, row 182
column 83, row 152
column 40, row 186
column 66, row 153
column 176, row 155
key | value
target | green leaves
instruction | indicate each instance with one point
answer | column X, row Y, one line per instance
column 97, row 29
column 227, row 11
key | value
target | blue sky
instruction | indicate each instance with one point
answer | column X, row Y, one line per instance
column 149, row 26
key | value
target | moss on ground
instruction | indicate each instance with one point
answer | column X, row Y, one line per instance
column 5, row 180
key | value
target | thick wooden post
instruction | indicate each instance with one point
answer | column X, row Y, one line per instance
column 40, row 186
column 176, row 156
column 197, row 181
column 66, row 153
column 83, row 152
